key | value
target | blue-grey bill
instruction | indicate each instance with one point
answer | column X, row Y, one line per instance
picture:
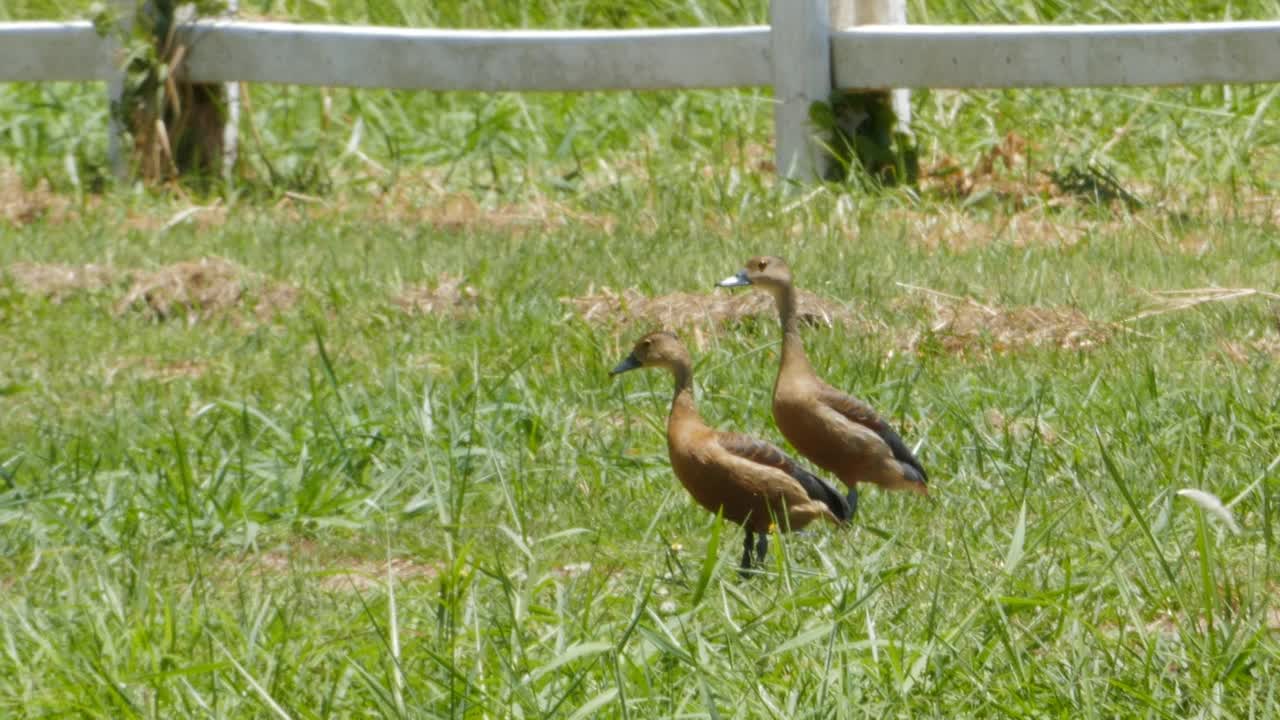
column 631, row 363
column 739, row 280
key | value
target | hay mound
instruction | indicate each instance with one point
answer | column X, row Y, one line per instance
column 963, row 325
column 203, row 289
column 701, row 312
column 450, row 297
column 57, row 282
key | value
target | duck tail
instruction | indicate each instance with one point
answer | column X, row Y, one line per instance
column 826, row 493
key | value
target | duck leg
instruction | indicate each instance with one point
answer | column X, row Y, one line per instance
column 746, row 555
column 762, row 547
column 853, row 500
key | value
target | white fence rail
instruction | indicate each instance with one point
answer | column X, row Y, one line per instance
column 791, row 57
column 1004, row 56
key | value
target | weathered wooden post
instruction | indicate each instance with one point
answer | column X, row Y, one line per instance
column 873, row 127
column 801, row 54
column 231, row 128
column 116, row 158
column 172, row 127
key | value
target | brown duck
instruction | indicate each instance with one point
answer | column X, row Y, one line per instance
column 752, row 482
column 838, row 432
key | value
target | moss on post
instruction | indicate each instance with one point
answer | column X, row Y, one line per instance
column 175, row 129
column 870, row 128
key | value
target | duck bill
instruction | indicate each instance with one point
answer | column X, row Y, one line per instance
column 739, row 280
column 631, row 363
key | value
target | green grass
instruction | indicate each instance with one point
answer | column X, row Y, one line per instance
column 198, row 519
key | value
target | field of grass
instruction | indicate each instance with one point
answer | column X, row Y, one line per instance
column 342, row 485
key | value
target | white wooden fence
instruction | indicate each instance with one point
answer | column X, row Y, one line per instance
column 800, row 55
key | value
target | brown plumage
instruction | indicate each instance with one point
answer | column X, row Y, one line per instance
column 838, row 432
column 752, row 482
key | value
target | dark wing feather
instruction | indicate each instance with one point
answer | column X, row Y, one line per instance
column 863, row 414
column 759, row 451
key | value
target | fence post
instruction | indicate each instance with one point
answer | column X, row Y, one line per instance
column 231, row 130
column 117, row 158
column 881, row 117
column 801, row 55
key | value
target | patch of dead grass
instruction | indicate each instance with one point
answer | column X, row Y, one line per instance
column 1020, row 428
column 21, row 205
column 958, row 230
column 1004, row 171
column 962, row 325
column 1243, row 351
column 152, row 369
column 405, row 202
column 203, row 289
column 177, row 370
column 702, row 313
column 339, row 574
column 450, row 297
column 57, row 282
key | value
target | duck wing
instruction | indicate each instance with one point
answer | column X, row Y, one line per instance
column 759, row 451
column 863, row 414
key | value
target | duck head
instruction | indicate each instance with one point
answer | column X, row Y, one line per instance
column 657, row 349
column 768, row 272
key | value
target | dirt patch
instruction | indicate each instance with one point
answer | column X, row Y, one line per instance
column 203, row 289
column 57, row 282
column 450, row 297
column 703, row 313
column 960, row 325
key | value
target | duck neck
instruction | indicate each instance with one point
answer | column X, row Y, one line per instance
column 792, row 347
column 682, row 405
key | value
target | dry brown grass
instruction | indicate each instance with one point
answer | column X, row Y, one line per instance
column 423, row 198
column 1020, row 428
column 198, row 289
column 203, row 289
column 450, row 297
column 336, row 574
column 1244, row 351
column 961, row 325
column 702, row 313
column 1005, row 171
column 57, row 282
column 957, row 229
column 150, row 368
column 21, row 205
